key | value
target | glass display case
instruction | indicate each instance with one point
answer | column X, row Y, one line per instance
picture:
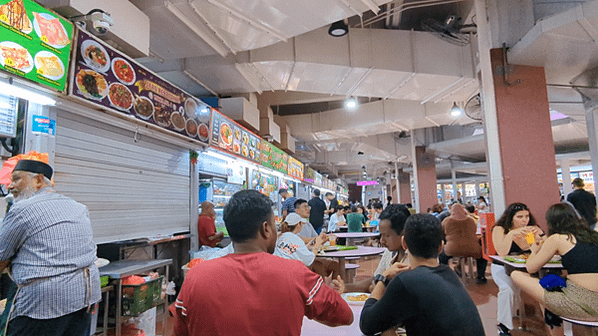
column 217, row 191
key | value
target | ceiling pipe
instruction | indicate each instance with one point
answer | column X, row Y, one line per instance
column 442, row 90
column 261, row 74
column 405, row 7
column 455, row 90
column 247, row 77
column 400, row 85
column 371, row 5
column 262, row 26
column 342, row 81
column 356, row 85
column 196, row 29
column 200, row 14
column 344, row 2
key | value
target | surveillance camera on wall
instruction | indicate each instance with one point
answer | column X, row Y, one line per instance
column 96, row 21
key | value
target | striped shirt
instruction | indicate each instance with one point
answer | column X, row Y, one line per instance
column 48, row 239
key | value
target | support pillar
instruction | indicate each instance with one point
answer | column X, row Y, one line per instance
column 525, row 135
column 566, row 173
column 426, row 178
column 404, row 187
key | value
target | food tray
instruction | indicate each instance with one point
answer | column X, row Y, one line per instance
column 139, row 298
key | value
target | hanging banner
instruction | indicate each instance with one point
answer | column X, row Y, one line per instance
column 35, row 43
column 107, row 78
column 295, row 168
column 233, row 138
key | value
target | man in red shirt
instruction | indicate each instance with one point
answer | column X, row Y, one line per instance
column 252, row 292
column 206, row 229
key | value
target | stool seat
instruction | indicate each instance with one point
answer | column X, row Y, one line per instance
column 351, row 266
column 585, row 323
column 351, row 258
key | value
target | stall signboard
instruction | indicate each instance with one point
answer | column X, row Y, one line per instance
column 274, row 158
column 35, row 43
column 367, row 183
column 295, row 168
column 310, row 175
column 318, row 179
column 108, row 78
column 233, row 138
column 331, row 185
column 210, row 165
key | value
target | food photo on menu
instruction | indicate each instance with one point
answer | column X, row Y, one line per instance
column 35, row 43
column 107, row 78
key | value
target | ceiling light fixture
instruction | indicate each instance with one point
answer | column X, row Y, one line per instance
column 456, row 110
column 11, row 89
column 338, row 29
column 351, row 103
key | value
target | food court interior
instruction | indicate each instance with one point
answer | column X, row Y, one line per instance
column 423, row 101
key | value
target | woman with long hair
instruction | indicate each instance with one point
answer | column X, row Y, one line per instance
column 577, row 244
column 508, row 236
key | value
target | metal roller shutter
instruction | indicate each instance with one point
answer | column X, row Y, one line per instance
column 132, row 187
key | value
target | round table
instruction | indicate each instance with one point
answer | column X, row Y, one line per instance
column 314, row 328
column 360, row 251
column 345, row 228
column 350, row 236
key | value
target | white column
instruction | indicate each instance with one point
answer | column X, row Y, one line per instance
column 415, row 180
column 454, row 181
column 566, row 177
column 590, row 107
column 398, row 193
column 194, row 205
column 443, row 190
column 493, row 157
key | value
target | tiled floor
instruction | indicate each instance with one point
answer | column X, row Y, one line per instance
column 484, row 297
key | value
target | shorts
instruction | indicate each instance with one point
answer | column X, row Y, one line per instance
column 574, row 302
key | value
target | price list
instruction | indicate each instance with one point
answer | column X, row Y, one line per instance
column 8, row 116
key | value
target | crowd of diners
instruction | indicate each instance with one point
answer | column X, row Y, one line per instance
column 272, row 277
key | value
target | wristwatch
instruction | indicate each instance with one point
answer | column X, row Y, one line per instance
column 380, row 277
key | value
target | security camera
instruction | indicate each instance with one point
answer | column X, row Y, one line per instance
column 99, row 20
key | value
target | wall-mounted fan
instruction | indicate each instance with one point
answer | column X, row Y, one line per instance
column 473, row 108
column 451, row 30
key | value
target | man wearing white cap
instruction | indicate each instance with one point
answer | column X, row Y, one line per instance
column 47, row 240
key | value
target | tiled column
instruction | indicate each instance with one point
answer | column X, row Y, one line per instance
column 426, row 178
column 405, row 187
column 525, row 135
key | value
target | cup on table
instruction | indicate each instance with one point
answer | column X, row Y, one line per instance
column 332, row 240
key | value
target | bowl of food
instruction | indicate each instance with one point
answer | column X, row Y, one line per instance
column 190, row 108
column 191, row 128
column 120, row 97
column 144, row 107
column 123, row 71
column 203, row 132
column 178, row 121
column 95, row 56
column 91, row 84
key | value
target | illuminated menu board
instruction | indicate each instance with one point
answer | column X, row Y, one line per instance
column 35, row 43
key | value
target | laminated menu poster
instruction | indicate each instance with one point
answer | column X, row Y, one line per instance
column 231, row 137
column 107, row 78
column 35, row 43
column 274, row 158
column 295, row 168
column 310, row 175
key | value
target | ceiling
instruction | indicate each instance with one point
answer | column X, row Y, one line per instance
column 404, row 78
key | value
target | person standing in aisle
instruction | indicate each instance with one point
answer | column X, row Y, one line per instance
column 316, row 211
column 47, row 240
column 252, row 292
column 331, row 205
column 288, row 202
column 206, row 228
column 584, row 202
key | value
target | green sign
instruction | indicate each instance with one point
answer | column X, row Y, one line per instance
column 35, row 43
column 274, row 158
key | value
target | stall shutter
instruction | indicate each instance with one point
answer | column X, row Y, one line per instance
column 133, row 186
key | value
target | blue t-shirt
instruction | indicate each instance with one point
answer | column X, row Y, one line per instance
column 289, row 205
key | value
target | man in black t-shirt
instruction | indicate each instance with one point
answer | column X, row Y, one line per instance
column 423, row 296
column 583, row 201
column 316, row 211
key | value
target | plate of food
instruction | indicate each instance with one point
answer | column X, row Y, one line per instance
column 330, row 248
column 144, row 107
column 14, row 14
column 14, row 55
column 91, row 84
column 49, row 65
column 203, row 132
column 50, row 30
column 522, row 259
column 120, row 97
column 226, row 134
column 355, row 298
column 123, row 71
column 178, row 121
column 95, row 56
column 190, row 108
column 161, row 116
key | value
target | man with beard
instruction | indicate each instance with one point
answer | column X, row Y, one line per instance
column 47, row 240
column 252, row 292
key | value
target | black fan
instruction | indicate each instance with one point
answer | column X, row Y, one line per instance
column 473, row 108
column 450, row 30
